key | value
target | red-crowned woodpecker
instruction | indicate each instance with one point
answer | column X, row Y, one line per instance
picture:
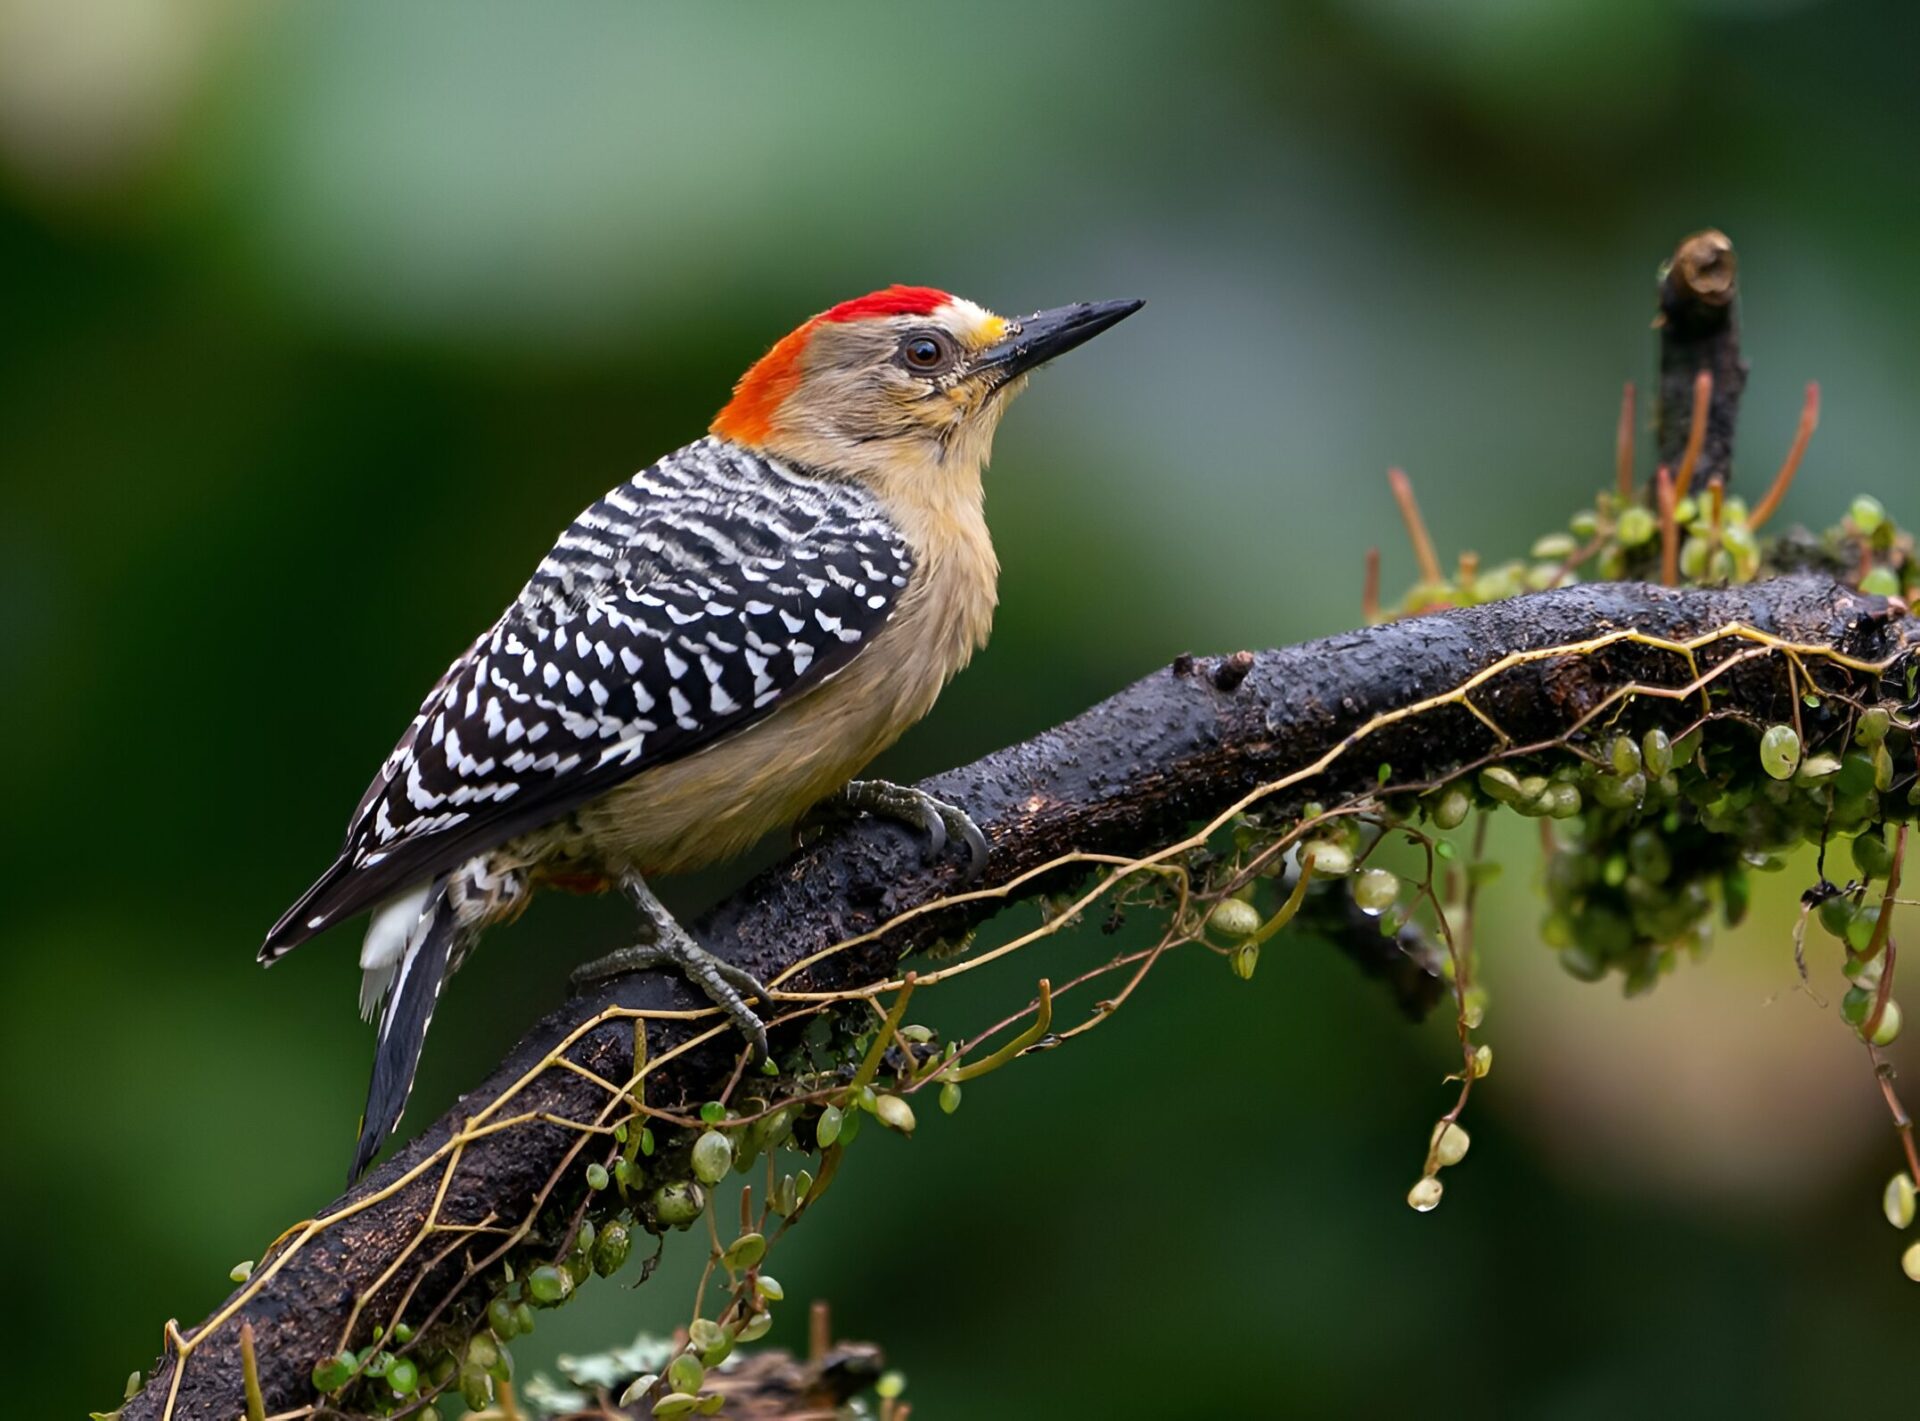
column 712, row 649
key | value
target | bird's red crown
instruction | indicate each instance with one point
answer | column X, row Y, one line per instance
column 749, row 414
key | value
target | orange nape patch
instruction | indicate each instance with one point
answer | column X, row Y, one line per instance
column 748, row 416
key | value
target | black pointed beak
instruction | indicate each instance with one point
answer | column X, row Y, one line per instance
column 1034, row 340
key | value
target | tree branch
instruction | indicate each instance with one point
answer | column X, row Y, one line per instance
column 1699, row 324
column 1125, row 777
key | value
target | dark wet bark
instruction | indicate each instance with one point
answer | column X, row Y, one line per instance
column 1127, row 776
column 1699, row 325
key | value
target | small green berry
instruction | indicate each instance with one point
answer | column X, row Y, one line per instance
column 1637, row 525
column 1449, row 1143
column 745, row 1251
column 1898, row 1200
column 500, row 1319
column 611, row 1248
column 549, row 1285
column 1855, row 1005
column 827, row 1129
column 1817, row 768
column 403, row 1376
column 1502, row 784
column 1861, row 927
column 1836, row 914
column 1871, row 854
column 949, row 1097
column 679, row 1203
column 712, row 1157
column 1233, row 918
column 894, row 1113
column 684, row 1373
column 1376, row 890
column 1330, row 859
column 1451, row 811
column 1867, row 514
column 332, row 1373
column 476, row 1387
column 1616, row 793
column 1780, row 751
column 1888, row 1031
column 597, row 1176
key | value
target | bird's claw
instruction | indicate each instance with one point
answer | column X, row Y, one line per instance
column 724, row 984
column 936, row 818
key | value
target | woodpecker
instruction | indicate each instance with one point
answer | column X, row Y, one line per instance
column 712, row 650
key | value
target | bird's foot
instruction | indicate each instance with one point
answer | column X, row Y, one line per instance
column 913, row 807
column 725, row 985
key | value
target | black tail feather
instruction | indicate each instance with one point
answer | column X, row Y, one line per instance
column 405, row 1013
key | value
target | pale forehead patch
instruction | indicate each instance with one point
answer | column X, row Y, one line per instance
column 975, row 326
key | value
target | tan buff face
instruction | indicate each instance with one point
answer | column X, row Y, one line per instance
column 895, row 392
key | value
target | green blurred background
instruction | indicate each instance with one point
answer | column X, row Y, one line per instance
column 320, row 319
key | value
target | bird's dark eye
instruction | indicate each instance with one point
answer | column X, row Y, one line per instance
column 925, row 353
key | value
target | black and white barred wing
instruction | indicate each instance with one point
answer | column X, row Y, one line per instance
column 682, row 607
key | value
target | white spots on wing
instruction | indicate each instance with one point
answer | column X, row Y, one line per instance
column 759, row 574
